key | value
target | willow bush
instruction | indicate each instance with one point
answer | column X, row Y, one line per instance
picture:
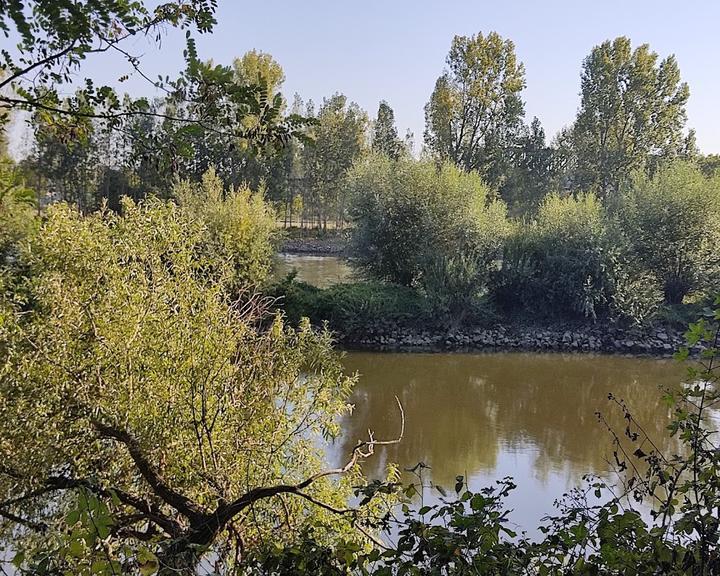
column 151, row 413
column 557, row 263
column 671, row 224
column 239, row 222
column 433, row 227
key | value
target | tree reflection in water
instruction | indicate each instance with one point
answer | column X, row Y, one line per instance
column 486, row 416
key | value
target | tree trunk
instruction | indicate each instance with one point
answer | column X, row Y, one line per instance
column 675, row 290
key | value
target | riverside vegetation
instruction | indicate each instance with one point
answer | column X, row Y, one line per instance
column 448, row 265
column 162, row 410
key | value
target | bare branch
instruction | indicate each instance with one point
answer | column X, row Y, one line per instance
column 362, row 450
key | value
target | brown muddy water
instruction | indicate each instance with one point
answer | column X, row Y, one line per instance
column 487, row 416
column 320, row 271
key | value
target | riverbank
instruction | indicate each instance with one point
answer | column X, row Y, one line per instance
column 334, row 245
column 382, row 317
column 599, row 339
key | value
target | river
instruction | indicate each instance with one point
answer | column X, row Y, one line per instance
column 487, row 416
column 320, row 271
column 490, row 415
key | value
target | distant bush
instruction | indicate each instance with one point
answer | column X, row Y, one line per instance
column 240, row 226
column 349, row 308
column 557, row 265
column 433, row 227
column 671, row 224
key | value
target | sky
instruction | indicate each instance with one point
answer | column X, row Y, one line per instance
column 394, row 50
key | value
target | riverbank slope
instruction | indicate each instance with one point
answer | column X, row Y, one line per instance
column 662, row 341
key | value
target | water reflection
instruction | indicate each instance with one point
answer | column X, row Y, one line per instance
column 320, row 271
column 486, row 416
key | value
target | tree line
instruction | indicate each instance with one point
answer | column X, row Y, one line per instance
column 632, row 117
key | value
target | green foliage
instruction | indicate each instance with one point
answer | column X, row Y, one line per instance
column 17, row 210
column 672, row 225
column 211, row 117
column 475, row 110
column 130, row 372
column 418, row 224
column 531, row 171
column 557, row 264
column 632, row 109
column 56, row 36
column 635, row 296
column 256, row 67
column 350, row 308
column 339, row 137
column 709, row 164
column 385, row 136
column 240, row 226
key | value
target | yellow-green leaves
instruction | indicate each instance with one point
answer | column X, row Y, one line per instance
column 476, row 103
column 672, row 222
column 239, row 228
column 133, row 321
column 632, row 110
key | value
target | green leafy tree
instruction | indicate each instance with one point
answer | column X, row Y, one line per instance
column 339, row 138
column 205, row 112
column 271, row 166
column 415, row 224
column 243, row 129
column 672, row 223
column 632, row 110
column 475, row 110
column 385, row 138
column 17, row 211
column 532, row 172
column 709, row 164
column 69, row 167
column 256, row 67
column 149, row 416
column 55, row 37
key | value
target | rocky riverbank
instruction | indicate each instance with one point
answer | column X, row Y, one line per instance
column 656, row 342
column 330, row 246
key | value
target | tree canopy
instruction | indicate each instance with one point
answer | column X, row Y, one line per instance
column 384, row 133
column 138, row 373
column 632, row 110
column 475, row 108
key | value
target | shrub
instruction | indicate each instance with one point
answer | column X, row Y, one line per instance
column 434, row 227
column 350, row 308
column 136, row 392
column 672, row 225
column 240, row 226
column 635, row 296
column 557, row 265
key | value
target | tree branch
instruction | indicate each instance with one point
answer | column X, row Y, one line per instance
column 172, row 497
column 362, row 450
column 35, row 526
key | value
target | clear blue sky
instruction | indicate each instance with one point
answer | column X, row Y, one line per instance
column 395, row 49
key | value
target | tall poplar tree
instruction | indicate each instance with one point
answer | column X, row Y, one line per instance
column 475, row 112
column 632, row 112
column 385, row 138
